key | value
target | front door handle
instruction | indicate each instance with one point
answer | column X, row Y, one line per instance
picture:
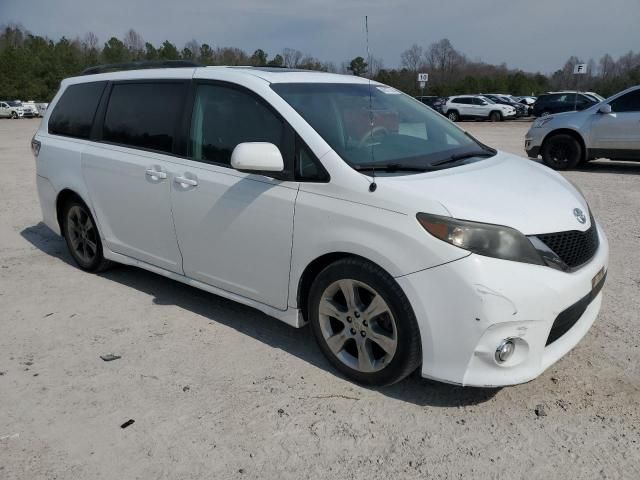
column 153, row 173
column 186, row 181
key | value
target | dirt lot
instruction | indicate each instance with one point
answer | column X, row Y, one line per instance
column 218, row 390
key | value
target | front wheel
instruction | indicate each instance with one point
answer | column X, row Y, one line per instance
column 364, row 323
column 561, row 152
column 82, row 237
column 453, row 116
column 495, row 117
column 14, row 115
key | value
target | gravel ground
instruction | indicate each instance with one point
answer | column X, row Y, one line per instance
column 219, row 390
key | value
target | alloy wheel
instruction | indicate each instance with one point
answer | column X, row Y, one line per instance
column 357, row 325
column 82, row 234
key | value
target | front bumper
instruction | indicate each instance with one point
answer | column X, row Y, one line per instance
column 466, row 307
column 533, row 141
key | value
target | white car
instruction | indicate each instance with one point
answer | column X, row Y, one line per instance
column 11, row 109
column 332, row 200
column 476, row 106
column 609, row 129
column 30, row 109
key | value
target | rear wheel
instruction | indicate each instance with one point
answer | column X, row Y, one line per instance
column 561, row 152
column 364, row 323
column 453, row 116
column 495, row 117
column 82, row 237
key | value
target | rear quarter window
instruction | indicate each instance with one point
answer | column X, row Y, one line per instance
column 74, row 113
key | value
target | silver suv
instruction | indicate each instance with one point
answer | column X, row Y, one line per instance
column 609, row 129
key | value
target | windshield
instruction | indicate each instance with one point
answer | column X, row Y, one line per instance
column 380, row 126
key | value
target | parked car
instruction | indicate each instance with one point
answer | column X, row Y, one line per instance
column 475, row 106
column 528, row 102
column 608, row 129
column 405, row 244
column 434, row 102
column 521, row 110
column 558, row 102
column 10, row 109
column 30, row 109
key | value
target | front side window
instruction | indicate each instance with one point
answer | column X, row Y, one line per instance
column 73, row 114
column 629, row 102
column 224, row 117
column 144, row 115
column 379, row 126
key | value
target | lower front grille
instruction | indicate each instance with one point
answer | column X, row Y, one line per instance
column 573, row 247
column 568, row 318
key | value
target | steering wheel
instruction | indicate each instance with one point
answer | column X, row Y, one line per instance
column 372, row 136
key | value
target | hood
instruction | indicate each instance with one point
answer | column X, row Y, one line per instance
column 502, row 190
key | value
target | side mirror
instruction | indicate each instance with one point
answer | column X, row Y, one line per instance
column 257, row 157
column 606, row 108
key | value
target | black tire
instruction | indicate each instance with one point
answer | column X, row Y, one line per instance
column 562, row 152
column 76, row 216
column 453, row 115
column 495, row 117
column 397, row 323
column 14, row 115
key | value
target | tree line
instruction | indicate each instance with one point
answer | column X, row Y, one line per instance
column 32, row 66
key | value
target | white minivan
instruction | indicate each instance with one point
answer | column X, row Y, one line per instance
column 329, row 199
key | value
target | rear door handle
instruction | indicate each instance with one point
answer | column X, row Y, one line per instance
column 186, row 181
column 152, row 172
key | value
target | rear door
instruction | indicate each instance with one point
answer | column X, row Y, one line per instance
column 619, row 131
column 129, row 172
column 234, row 229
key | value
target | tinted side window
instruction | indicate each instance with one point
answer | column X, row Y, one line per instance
column 224, row 117
column 456, row 100
column 144, row 115
column 74, row 112
column 629, row 102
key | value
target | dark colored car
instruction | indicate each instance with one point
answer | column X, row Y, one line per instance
column 521, row 110
column 434, row 102
column 557, row 102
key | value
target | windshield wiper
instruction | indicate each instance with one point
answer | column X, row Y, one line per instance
column 390, row 167
column 462, row 156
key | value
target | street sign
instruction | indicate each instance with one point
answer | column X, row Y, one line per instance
column 423, row 77
column 423, row 84
column 580, row 69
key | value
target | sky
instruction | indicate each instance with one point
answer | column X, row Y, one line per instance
column 534, row 35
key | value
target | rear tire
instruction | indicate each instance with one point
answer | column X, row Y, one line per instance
column 562, row 152
column 495, row 116
column 453, row 116
column 82, row 237
column 364, row 323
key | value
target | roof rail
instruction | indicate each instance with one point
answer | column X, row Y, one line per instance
column 139, row 66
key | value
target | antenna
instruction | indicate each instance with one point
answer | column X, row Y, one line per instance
column 372, row 186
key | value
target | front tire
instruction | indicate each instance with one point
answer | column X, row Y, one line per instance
column 14, row 115
column 495, row 117
column 82, row 237
column 364, row 323
column 453, row 116
column 562, row 152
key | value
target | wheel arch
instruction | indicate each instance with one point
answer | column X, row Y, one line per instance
column 312, row 270
column 64, row 196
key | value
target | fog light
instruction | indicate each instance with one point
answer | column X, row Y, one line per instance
column 505, row 350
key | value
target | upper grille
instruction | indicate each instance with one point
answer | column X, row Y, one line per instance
column 573, row 247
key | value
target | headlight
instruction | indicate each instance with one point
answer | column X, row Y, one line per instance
column 482, row 238
column 540, row 122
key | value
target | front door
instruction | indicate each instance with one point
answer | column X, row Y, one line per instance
column 234, row 229
column 618, row 132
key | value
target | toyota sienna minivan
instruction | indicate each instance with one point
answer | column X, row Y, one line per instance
column 331, row 200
